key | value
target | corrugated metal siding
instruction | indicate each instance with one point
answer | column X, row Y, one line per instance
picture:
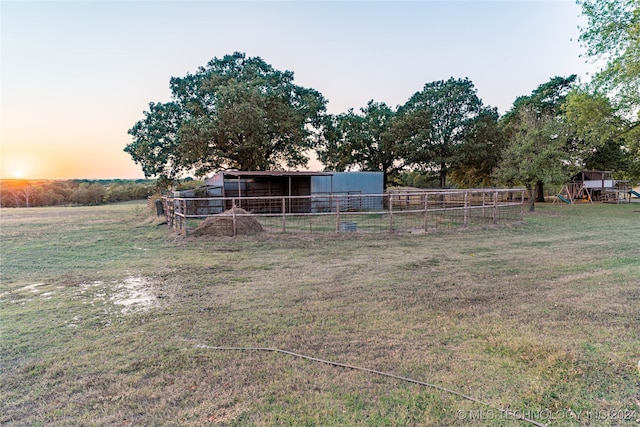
column 216, row 180
column 348, row 183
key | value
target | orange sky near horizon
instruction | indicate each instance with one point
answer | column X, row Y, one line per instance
column 39, row 154
column 58, row 163
column 75, row 76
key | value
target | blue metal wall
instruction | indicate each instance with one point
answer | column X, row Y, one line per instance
column 348, row 183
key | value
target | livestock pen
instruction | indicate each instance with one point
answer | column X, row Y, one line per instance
column 399, row 211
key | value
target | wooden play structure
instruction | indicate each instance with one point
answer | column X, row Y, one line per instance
column 595, row 186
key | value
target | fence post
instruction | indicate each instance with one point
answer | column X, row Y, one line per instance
column 390, row 213
column 426, row 212
column 184, row 216
column 495, row 207
column 233, row 217
column 483, row 204
column 284, row 216
column 337, row 215
column 168, row 211
column 466, row 208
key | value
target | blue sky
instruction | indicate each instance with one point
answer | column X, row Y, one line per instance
column 77, row 75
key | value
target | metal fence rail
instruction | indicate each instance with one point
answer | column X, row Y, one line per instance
column 415, row 211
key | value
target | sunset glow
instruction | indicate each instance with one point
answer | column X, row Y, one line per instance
column 72, row 85
column 15, row 165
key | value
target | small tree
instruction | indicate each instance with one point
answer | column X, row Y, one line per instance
column 535, row 154
column 545, row 101
column 27, row 192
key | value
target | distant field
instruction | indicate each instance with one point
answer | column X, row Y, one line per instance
column 105, row 317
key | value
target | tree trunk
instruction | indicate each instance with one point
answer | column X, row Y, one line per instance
column 540, row 192
column 443, row 176
column 532, row 199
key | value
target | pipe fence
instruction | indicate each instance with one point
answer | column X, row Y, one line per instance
column 414, row 211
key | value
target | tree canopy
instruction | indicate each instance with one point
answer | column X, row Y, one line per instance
column 453, row 108
column 236, row 112
column 536, row 153
column 239, row 112
column 544, row 102
column 372, row 140
column 613, row 36
column 480, row 153
column 596, row 132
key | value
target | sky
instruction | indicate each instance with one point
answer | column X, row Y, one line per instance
column 76, row 76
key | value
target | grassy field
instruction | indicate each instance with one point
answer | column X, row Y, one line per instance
column 105, row 319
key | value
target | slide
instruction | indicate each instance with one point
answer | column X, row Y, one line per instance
column 564, row 199
column 634, row 193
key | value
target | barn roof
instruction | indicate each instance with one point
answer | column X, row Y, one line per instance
column 268, row 174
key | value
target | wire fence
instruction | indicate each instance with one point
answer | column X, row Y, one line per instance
column 414, row 211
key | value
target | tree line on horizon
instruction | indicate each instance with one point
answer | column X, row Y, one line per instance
column 239, row 112
column 16, row 193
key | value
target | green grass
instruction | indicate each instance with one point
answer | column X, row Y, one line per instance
column 540, row 317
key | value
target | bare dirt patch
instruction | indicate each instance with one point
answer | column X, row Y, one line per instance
column 135, row 294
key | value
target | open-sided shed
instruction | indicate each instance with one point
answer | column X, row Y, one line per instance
column 305, row 191
column 262, row 183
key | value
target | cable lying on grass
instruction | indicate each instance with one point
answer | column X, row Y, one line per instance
column 508, row 412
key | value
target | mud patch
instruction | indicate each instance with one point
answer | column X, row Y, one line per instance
column 29, row 293
column 31, row 288
column 134, row 294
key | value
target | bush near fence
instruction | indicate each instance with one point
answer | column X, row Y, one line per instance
column 413, row 211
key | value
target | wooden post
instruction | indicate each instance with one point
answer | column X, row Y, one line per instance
column 390, row 213
column 483, row 203
column 290, row 193
column 284, row 216
column 495, row 207
column 426, row 212
column 233, row 217
column 466, row 208
column 337, row 215
column 184, row 215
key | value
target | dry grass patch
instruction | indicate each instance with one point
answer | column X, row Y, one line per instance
column 539, row 317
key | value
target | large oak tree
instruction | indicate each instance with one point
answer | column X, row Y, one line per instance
column 452, row 109
column 480, row 152
column 374, row 139
column 597, row 133
column 236, row 112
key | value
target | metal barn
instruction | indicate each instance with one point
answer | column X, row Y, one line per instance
column 305, row 192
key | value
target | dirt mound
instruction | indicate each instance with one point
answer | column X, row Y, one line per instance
column 222, row 224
